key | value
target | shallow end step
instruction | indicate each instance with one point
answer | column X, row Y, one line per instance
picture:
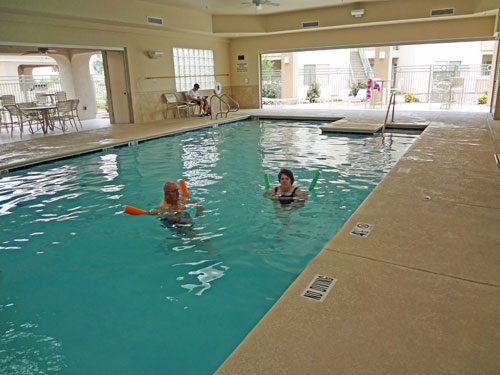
column 350, row 127
column 408, row 125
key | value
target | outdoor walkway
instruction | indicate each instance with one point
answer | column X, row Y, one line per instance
column 419, row 295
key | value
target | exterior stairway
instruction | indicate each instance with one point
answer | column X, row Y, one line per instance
column 359, row 73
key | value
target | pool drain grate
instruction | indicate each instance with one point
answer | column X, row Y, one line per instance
column 319, row 288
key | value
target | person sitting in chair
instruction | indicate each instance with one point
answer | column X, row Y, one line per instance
column 194, row 96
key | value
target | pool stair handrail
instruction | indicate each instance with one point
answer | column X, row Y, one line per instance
column 223, row 100
column 392, row 102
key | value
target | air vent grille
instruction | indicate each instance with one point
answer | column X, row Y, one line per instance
column 442, row 12
column 154, row 21
column 305, row 25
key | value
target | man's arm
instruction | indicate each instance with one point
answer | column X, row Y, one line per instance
column 199, row 207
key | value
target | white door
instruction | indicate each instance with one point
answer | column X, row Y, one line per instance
column 116, row 85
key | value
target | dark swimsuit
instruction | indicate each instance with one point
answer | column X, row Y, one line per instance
column 285, row 199
column 175, row 225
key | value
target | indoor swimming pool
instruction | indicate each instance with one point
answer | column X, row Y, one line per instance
column 87, row 289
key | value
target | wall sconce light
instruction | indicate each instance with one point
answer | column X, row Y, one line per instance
column 357, row 13
column 155, row 54
column 287, row 60
column 381, row 55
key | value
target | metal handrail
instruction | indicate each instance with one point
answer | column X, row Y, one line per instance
column 222, row 101
column 366, row 64
column 392, row 101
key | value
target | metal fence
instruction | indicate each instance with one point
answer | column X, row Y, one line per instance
column 426, row 82
column 336, row 79
column 100, row 93
column 25, row 87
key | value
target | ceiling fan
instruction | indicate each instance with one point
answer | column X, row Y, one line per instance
column 260, row 3
column 40, row 51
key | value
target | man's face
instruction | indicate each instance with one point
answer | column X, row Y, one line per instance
column 195, row 88
column 171, row 193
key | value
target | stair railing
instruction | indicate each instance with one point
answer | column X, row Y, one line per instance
column 366, row 64
column 223, row 101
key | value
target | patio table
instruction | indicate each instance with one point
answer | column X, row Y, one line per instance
column 45, row 111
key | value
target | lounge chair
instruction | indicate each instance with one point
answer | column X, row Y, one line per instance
column 174, row 106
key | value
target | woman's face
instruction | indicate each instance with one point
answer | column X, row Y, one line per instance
column 285, row 181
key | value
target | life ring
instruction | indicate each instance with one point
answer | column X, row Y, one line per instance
column 218, row 88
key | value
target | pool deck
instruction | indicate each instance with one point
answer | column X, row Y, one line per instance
column 419, row 295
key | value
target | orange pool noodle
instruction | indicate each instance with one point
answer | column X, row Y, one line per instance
column 184, row 188
column 134, row 211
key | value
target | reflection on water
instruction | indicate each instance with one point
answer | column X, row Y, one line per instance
column 69, row 254
column 205, row 275
column 23, row 351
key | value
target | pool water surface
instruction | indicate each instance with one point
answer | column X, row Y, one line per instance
column 87, row 289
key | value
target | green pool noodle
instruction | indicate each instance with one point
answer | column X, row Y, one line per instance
column 266, row 180
column 315, row 179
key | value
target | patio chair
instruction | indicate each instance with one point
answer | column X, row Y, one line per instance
column 325, row 94
column 302, row 94
column 74, row 111
column 64, row 113
column 174, row 106
column 41, row 99
column 457, row 88
column 60, row 96
column 34, row 117
column 344, row 95
column 8, row 99
column 17, row 117
column 192, row 106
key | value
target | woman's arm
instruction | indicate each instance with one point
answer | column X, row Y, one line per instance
column 301, row 194
column 270, row 194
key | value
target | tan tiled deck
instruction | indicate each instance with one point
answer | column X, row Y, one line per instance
column 419, row 295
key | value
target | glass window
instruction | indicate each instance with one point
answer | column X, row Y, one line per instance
column 193, row 66
column 309, row 74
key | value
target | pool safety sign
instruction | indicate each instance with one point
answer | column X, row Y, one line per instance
column 242, row 67
column 362, row 229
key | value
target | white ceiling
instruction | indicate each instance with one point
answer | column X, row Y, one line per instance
column 245, row 7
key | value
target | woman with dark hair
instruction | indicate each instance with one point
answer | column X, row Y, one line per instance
column 286, row 193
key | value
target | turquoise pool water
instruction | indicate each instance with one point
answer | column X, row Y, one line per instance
column 86, row 289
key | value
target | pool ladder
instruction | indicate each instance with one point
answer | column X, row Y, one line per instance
column 392, row 102
column 223, row 101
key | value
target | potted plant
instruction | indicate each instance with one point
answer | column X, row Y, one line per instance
column 314, row 92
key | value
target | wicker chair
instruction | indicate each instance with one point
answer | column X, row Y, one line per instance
column 60, row 96
column 17, row 117
column 34, row 117
column 64, row 113
column 74, row 111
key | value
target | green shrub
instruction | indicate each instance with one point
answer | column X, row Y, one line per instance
column 356, row 86
column 271, row 91
column 410, row 98
column 313, row 92
column 482, row 99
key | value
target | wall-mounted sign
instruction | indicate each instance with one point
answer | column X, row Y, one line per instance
column 242, row 67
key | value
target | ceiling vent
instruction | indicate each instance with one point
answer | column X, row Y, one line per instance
column 154, row 21
column 305, row 25
column 443, row 12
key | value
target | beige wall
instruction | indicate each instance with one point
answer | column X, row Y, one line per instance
column 102, row 23
column 132, row 35
column 442, row 29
